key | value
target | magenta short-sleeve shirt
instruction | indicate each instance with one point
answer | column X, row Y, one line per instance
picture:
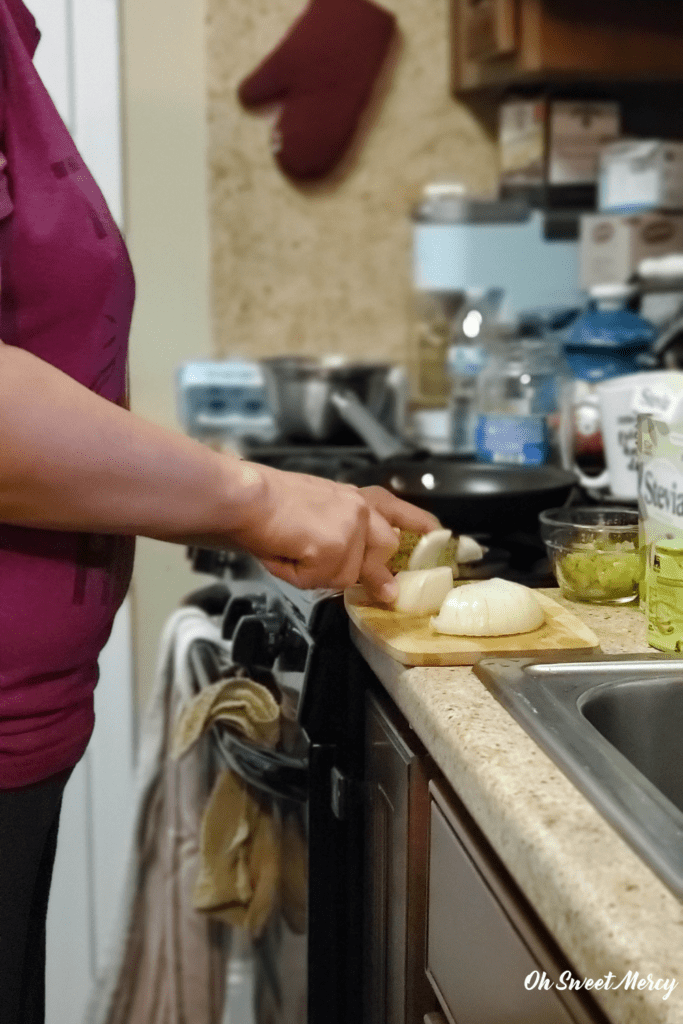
column 67, row 294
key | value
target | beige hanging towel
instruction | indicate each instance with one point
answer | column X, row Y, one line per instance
column 239, row 863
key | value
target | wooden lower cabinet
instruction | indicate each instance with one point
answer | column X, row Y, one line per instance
column 483, row 939
column 396, row 826
column 449, row 937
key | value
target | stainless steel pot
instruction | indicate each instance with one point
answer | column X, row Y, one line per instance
column 313, row 401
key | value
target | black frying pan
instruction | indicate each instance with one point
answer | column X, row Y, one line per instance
column 472, row 497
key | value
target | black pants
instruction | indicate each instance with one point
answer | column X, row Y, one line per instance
column 29, row 818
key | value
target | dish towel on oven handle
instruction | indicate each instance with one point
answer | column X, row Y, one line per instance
column 239, row 874
column 167, row 962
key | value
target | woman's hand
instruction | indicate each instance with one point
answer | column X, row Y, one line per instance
column 400, row 515
column 313, row 532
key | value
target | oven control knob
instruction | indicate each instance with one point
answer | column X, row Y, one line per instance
column 237, row 609
column 256, row 640
column 293, row 650
column 212, row 599
column 210, row 562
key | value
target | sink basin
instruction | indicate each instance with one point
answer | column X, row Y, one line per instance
column 614, row 725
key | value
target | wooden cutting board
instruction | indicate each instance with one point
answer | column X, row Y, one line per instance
column 409, row 640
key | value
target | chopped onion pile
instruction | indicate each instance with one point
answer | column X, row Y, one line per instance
column 422, row 591
column 489, row 608
column 600, row 572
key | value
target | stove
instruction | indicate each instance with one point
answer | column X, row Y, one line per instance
column 310, row 970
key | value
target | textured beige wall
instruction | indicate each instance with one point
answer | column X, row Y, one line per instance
column 166, row 212
column 328, row 268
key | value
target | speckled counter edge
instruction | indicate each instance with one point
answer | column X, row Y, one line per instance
column 605, row 907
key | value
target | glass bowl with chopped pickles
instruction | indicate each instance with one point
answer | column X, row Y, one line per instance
column 594, row 553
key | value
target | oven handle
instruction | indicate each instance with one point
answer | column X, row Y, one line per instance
column 271, row 771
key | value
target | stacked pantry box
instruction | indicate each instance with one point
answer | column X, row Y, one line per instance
column 572, row 155
column 640, row 211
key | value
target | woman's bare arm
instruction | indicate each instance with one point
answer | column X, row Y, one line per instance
column 71, row 460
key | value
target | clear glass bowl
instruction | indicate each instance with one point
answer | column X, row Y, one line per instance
column 594, row 553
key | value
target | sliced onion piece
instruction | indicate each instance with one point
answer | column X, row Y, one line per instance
column 489, row 608
column 468, row 550
column 429, row 549
column 422, row 591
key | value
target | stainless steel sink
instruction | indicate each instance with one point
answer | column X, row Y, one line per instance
column 614, row 725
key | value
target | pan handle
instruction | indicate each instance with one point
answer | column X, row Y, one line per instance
column 381, row 442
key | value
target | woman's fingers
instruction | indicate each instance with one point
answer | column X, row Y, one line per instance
column 389, row 515
column 398, row 512
column 381, row 544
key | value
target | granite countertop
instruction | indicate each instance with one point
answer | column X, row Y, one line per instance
column 606, row 908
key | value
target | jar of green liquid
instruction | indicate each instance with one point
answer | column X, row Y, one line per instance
column 665, row 596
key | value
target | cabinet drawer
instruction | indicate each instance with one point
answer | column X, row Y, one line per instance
column 479, row 947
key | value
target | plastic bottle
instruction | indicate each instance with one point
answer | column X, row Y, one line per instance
column 471, row 333
column 518, row 401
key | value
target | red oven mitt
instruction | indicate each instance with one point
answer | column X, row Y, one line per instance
column 322, row 74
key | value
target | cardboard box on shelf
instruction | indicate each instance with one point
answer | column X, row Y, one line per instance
column 578, row 132
column 612, row 245
column 639, row 175
column 554, row 144
column 522, row 142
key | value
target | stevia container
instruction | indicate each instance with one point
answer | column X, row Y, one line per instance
column 659, row 410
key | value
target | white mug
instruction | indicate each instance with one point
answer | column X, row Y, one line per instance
column 619, row 423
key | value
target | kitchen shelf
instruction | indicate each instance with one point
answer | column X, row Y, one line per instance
column 497, row 45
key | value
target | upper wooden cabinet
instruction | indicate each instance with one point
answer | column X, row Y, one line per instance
column 501, row 43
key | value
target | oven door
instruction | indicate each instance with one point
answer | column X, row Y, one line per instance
column 308, row 962
column 281, row 780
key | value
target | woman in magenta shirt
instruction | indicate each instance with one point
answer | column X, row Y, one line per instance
column 81, row 476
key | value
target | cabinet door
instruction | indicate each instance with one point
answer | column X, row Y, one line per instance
column 500, row 43
column 483, row 946
column 396, row 987
column 475, row 958
column 485, row 41
column 490, row 28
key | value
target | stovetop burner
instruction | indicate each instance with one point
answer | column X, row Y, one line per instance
column 329, row 461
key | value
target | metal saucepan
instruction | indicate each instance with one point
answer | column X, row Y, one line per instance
column 473, row 497
column 313, row 401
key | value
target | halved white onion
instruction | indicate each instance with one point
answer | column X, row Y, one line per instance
column 489, row 608
column 422, row 591
column 429, row 549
